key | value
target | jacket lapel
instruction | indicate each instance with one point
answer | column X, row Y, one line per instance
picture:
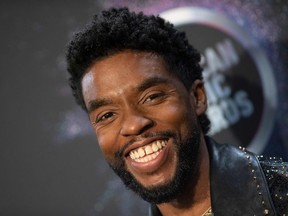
column 238, row 185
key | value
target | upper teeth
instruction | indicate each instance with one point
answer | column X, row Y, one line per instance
column 148, row 149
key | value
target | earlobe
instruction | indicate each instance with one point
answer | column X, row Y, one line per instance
column 197, row 93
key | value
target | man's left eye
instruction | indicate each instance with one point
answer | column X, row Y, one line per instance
column 154, row 96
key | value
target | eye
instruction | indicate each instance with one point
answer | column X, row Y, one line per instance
column 154, row 97
column 104, row 117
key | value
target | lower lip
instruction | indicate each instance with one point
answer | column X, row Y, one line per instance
column 152, row 165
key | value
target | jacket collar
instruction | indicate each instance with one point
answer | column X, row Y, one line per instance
column 238, row 185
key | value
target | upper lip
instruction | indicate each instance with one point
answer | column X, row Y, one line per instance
column 140, row 143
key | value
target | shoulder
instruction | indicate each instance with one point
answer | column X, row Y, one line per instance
column 276, row 173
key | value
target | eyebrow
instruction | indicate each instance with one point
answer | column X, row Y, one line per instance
column 153, row 81
column 97, row 103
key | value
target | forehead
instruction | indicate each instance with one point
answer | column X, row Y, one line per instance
column 121, row 71
column 129, row 63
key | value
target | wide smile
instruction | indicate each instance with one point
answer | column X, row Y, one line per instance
column 149, row 157
column 148, row 152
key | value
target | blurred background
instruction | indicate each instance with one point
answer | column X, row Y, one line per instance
column 50, row 163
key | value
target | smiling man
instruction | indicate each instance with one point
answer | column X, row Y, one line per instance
column 140, row 82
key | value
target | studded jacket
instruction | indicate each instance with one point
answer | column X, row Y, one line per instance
column 243, row 184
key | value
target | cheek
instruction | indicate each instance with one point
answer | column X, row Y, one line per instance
column 107, row 143
column 176, row 114
column 177, row 118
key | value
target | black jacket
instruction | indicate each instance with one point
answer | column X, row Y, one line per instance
column 243, row 184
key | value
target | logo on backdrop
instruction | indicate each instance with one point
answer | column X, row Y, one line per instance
column 239, row 81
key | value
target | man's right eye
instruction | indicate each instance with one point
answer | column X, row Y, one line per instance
column 104, row 117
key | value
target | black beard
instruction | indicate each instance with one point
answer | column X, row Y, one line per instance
column 187, row 154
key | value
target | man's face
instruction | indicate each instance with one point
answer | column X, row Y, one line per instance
column 142, row 115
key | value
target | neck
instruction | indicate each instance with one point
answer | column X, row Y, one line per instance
column 196, row 197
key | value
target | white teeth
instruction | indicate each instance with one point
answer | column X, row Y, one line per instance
column 154, row 147
column 141, row 152
column 148, row 152
column 136, row 154
column 132, row 155
column 159, row 144
column 148, row 149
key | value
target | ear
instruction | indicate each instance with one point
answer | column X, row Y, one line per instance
column 198, row 97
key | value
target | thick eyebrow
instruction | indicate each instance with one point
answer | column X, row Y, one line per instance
column 153, row 81
column 97, row 103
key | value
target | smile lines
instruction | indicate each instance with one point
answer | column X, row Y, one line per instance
column 148, row 152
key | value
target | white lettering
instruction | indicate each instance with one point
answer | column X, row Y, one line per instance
column 218, row 83
column 245, row 105
column 225, row 108
column 217, row 88
column 218, row 121
column 219, row 59
column 228, row 54
column 228, row 111
column 231, row 111
column 213, row 61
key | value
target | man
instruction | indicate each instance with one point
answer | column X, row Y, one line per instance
column 141, row 84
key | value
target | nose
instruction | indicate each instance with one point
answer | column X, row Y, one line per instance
column 135, row 124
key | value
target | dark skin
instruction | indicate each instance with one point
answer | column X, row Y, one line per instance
column 132, row 93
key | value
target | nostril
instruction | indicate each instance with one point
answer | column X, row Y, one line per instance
column 147, row 126
column 135, row 125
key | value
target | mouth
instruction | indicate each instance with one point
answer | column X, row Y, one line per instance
column 148, row 152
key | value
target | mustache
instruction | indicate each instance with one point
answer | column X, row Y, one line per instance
column 163, row 134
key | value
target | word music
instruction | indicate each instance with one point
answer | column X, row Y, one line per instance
column 226, row 107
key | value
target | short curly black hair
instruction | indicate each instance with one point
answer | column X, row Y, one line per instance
column 116, row 30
